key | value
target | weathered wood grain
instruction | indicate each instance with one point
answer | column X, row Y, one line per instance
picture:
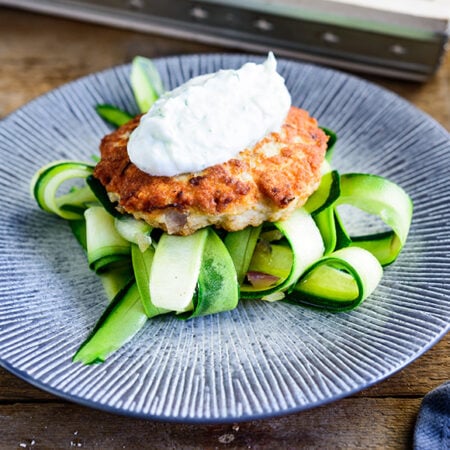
column 353, row 423
column 39, row 53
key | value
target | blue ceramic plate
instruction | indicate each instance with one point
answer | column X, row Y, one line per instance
column 262, row 359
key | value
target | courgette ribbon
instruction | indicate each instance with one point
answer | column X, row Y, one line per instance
column 373, row 194
column 147, row 87
column 306, row 244
column 119, row 323
column 48, row 180
column 352, row 265
column 385, row 199
column 113, row 115
column 339, row 281
column 217, row 288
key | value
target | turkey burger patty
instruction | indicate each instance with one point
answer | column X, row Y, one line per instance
column 263, row 183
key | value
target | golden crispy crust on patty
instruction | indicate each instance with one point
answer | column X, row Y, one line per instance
column 265, row 182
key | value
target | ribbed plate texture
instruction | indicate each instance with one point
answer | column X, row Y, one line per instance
column 262, row 359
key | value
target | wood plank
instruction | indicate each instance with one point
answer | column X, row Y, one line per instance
column 39, row 53
column 357, row 423
column 33, row 61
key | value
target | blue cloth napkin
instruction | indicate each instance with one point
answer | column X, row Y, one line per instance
column 432, row 430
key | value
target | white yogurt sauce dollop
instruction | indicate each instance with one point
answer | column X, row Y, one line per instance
column 210, row 119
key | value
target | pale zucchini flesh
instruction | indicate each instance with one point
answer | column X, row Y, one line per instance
column 241, row 246
column 134, row 230
column 306, row 245
column 378, row 196
column 145, row 82
column 175, row 270
column 47, row 181
column 339, row 281
column 218, row 288
column 142, row 264
column 104, row 244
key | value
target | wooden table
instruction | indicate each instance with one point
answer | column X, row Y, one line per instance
column 39, row 53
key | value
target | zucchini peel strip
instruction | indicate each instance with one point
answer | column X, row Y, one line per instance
column 46, row 182
column 121, row 320
column 113, row 115
column 104, row 245
column 145, row 82
column 307, row 246
column 218, row 288
column 378, row 196
column 339, row 281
